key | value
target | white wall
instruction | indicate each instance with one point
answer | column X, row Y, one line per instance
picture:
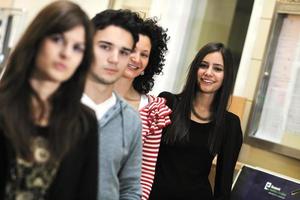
column 30, row 9
column 176, row 18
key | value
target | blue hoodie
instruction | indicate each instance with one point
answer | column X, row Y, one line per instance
column 120, row 154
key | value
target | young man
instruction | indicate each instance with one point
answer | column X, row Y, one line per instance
column 120, row 126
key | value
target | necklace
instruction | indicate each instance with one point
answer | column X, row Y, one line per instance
column 199, row 116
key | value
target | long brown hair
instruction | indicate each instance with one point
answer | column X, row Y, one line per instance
column 66, row 120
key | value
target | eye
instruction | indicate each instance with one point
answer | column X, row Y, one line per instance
column 124, row 52
column 218, row 68
column 57, row 38
column 203, row 65
column 144, row 55
column 79, row 48
column 105, row 47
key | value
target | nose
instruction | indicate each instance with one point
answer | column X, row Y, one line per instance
column 66, row 51
column 208, row 71
column 113, row 57
column 135, row 57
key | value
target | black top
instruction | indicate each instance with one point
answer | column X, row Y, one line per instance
column 182, row 169
column 77, row 175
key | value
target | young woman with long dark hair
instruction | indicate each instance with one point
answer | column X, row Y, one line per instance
column 201, row 129
column 48, row 139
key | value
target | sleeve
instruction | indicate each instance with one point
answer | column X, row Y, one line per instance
column 130, row 173
column 227, row 158
column 155, row 116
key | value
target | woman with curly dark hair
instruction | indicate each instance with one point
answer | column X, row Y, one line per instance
column 147, row 60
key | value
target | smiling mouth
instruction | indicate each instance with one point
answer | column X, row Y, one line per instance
column 207, row 81
column 133, row 67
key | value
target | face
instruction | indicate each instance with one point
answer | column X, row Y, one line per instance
column 112, row 47
column 211, row 73
column 59, row 55
column 139, row 58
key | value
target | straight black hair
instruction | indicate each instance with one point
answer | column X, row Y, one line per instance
column 179, row 129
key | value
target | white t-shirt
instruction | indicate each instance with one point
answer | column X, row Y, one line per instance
column 144, row 101
column 102, row 108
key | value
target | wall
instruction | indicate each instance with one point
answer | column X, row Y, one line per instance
column 31, row 7
column 5, row 3
column 218, row 16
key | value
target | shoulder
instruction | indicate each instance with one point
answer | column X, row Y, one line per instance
column 156, row 113
column 231, row 117
column 88, row 120
column 233, row 124
column 171, row 98
column 127, row 109
column 88, row 113
column 156, row 100
column 167, row 95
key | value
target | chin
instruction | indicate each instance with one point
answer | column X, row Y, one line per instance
column 129, row 75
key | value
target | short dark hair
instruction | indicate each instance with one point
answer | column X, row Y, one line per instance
column 16, row 92
column 158, row 38
column 181, row 115
column 122, row 18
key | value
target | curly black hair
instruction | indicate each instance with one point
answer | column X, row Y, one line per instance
column 159, row 38
column 123, row 18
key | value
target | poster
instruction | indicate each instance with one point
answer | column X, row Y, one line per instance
column 257, row 184
column 280, row 112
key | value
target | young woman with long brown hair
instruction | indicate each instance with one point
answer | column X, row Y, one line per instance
column 48, row 139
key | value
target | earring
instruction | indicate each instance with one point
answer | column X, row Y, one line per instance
column 142, row 74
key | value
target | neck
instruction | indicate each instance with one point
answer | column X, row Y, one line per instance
column 125, row 89
column 43, row 88
column 98, row 92
column 123, row 85
column 203, row 101
column 201, row 107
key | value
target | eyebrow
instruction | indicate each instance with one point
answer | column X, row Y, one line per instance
column 146, row 51
column 126, row 49
column 65, row 37
column 111, row 44
column 105, row 42
column 216, row 64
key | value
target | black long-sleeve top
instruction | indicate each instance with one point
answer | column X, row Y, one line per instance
column 182, row 168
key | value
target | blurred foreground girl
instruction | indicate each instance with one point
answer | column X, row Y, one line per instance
column 48, row 139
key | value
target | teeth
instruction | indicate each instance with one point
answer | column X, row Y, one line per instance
column 207, row 81
column 133, row 66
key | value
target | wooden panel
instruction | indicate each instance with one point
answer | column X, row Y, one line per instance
column 237, row 106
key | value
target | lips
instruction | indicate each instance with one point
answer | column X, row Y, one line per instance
column 133, row 67
column 111, row 70
column 60, row 66
column 207, row 81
